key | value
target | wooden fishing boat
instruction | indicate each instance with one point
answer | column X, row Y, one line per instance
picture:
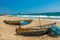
column 13, row 22
column 34, row 31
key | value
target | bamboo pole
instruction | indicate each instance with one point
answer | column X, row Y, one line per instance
column 39, row 21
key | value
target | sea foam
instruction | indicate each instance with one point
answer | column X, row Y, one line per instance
column 41, row 16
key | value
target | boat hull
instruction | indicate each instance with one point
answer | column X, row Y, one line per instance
column 31, row 33
column 15, row 22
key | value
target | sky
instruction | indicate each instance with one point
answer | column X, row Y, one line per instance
column 29, row 6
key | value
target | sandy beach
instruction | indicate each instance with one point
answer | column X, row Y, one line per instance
column 7, row 32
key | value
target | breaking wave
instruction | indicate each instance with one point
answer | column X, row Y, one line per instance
column 42, row 17
column 37, row 16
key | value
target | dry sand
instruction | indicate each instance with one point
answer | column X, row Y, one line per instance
column 7, row 32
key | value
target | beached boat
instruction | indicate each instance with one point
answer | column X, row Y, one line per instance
column 13, row 22
column 34, row 31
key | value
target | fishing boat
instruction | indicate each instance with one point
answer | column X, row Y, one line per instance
column 13, row 22
column 35, row 30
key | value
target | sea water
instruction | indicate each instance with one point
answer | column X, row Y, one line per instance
column 43, row 16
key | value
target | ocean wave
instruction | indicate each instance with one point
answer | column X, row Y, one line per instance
column 37, row 16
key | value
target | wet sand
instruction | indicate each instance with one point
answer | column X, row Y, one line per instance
column 7, row 32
